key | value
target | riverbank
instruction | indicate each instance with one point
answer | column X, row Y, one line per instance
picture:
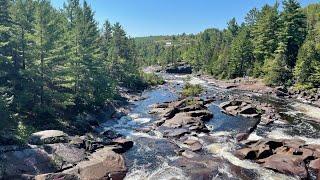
column 305, row 102
column 162, row 135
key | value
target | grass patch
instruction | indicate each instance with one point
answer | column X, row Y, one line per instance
column 152, row 79
column 191, row 90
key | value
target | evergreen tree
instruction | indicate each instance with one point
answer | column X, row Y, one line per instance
column 293, row 30
column 265, row 36
column 276, row 70
column 6, row 27
column 241, row 58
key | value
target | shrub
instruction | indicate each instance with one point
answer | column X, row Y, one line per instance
column 191, row 90
column 152, row 79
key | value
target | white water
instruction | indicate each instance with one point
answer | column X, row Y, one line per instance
column 280, row 134
column 224, row 150
column 164, row 172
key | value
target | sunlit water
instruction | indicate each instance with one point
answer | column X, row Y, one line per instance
column 151, row 155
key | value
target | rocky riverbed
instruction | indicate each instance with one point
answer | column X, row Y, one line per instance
column 225, row 133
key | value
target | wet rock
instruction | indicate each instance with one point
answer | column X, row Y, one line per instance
column 170, row 113
column 111, row 134
column 242, row 108
column 266, row 119
column 189, row 154
column 189, row 108
column 102, row 164
column 288, row 156
column 124, row 143
column 229, row 103
column 286, row 164
column 248, row 110
column 183, row 120
column 144, row 129
column 48, row 137
column 198, row 167
column 93, row 142
column 204, row 115
column 193, row 145
column 175, row 132
column 242, row 136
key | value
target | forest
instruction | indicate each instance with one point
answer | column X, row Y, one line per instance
column 282, row 47
column 57, row 63
column 82, row 99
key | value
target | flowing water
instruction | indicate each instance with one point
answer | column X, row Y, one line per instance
column 154, row 157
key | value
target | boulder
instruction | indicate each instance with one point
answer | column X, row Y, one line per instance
column 93, row 142
column 281, row 91
column 315, row 165
column 175, row 132
column 242, row 136
column 30, row 161
column 124, row 143
column 286, row 164
column 181, row 69
column 183, row 120
column 102, row 164
column 193, row 145
column 110, row 134
column 48, row 137
column 286, row 156
column 248, row 109
column 204, row 115
column 170, row 113
column 189, row 154
column 65, row 155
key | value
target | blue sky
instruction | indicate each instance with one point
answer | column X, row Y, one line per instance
column 167, row 17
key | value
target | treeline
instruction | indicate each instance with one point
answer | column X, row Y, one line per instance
column 281, row 47
column 54, row 61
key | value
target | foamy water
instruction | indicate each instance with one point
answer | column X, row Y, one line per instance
column 164, row 172
column 280, row 134
column 224, row 150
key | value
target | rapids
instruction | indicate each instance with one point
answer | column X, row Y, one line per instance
column 152, row 155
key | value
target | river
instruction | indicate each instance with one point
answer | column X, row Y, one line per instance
column 155, row 157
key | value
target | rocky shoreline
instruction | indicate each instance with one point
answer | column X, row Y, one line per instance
column 53, row 154
column 182, row 129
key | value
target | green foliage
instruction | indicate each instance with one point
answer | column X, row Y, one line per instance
column 249, row 49
column 56, row 63
column 191, row 90
column 276, row 70
column 307, row 70
column 152, row 79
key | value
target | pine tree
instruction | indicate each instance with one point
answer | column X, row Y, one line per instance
column 241, row 58
column 265, row 35
column 293, row 30
column 6, row 54
column 276, row 70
